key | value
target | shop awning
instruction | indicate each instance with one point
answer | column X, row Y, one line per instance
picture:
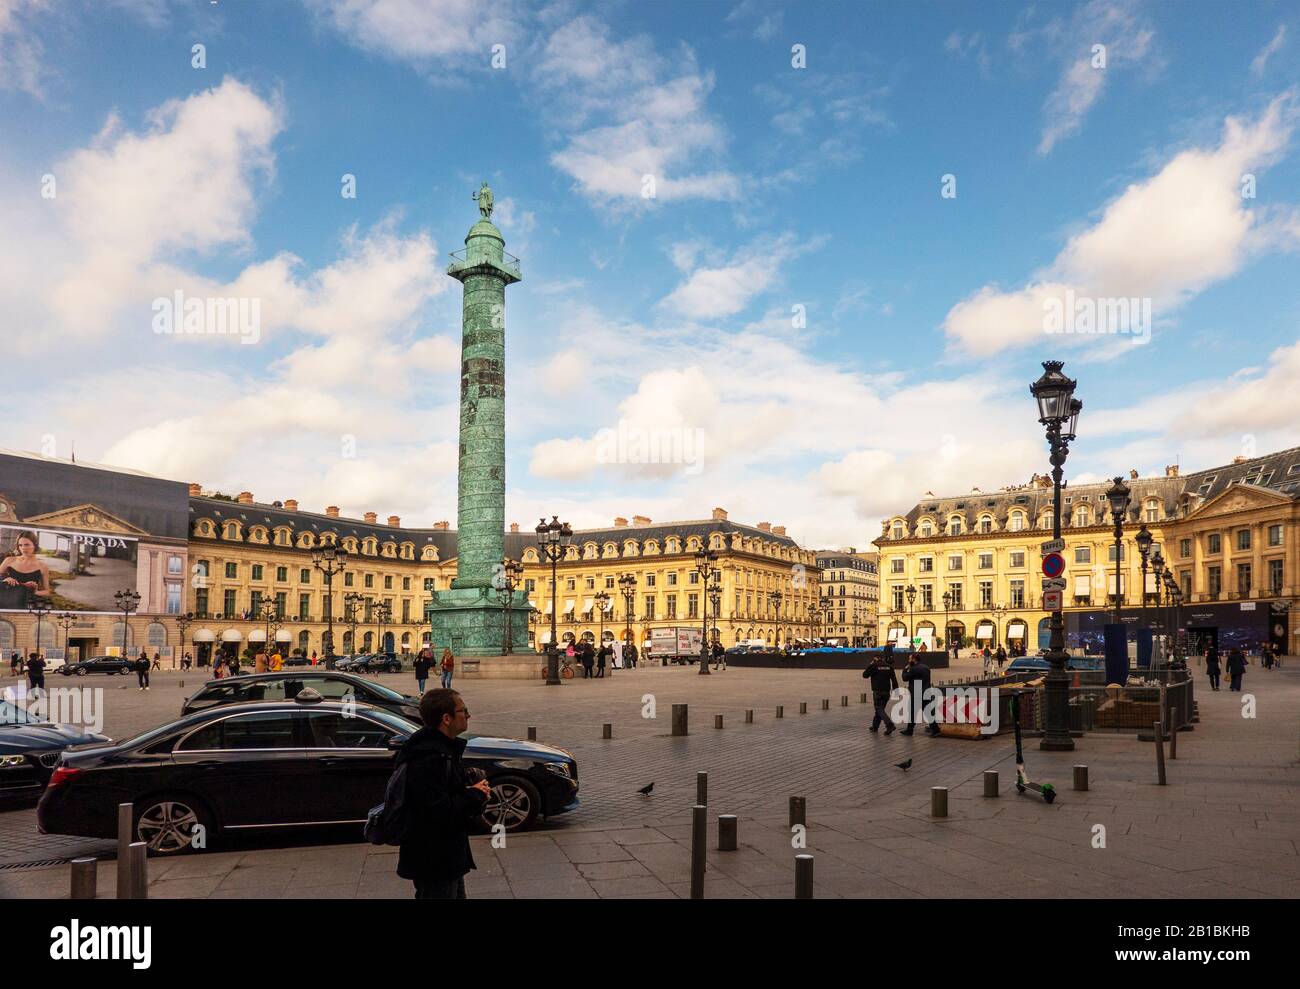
column 204, row 635
column 609, row 605
column 231, row 635
column 984, row 631
column 588, row 604
column 257, row 635
column 895, row 634
column 547, row 609
column 569, row 605
column 1017, row 630
column 284, row 635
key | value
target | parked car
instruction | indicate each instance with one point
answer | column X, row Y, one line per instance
column 30, row 749
column 1039, row 664
column 98, row 664
column 297, row 660
column 377, row 663
column 254, row 766
column 284, row 686
column 346, row 663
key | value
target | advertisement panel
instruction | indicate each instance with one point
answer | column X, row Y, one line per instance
column 64, row 569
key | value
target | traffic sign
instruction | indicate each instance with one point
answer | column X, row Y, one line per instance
column 1054, row 584
column 1052, row 546
column 1053, row 565
column 1052, row 600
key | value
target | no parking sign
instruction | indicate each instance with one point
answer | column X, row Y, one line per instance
column 1053, row 565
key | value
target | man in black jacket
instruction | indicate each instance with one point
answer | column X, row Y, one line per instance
column 883, row 682
column 441, row 801
column 917, row 677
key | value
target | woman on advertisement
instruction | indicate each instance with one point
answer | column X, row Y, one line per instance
column 23, row 576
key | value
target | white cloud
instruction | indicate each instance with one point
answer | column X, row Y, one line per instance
column 1166, row 239
column 22, row 65
column 421, row 30
column 1260, row 61
column 710, row 293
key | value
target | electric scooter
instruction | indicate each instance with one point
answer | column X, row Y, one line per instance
column 1023, row 782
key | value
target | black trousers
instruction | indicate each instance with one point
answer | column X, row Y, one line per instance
column 1214, row 681
column 435, row 889
column 143, row 677
column 880, row 698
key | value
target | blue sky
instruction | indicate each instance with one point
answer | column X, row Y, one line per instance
column 818, row 332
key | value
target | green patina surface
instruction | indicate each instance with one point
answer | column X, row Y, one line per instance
column 469, row 617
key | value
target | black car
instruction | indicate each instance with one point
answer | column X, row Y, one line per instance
column 347, row 663
column 30, row 749
column 377, row 663
column 283, row 686
column 297, row 660
column 99, row 664
column 256, row 766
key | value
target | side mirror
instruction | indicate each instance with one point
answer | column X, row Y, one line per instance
column 396, row 742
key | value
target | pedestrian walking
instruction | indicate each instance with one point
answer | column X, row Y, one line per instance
column 441, row 802
column 917, row 677
column 1000, row 658
column 884, row 681
column 157, row 662
column 601, row 658
column 448, row 666
column 1267, row 657
column 13, row 663
column 1236, row 668
column 719, row 655
column 1212, row 666
column 629, row 655
column 36, row 673
column 422, row 664
column 142, row 670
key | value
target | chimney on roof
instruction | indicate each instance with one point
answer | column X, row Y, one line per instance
column 778, row 530
column 332, row 511
column 1132, row 475
column 620, row 523
column 719, row 515
column 395, row 521
column 196, row 490
column 245, row 497
column 640, row 520
column 371, row 517
column 291, row 504
column 442, row 526
column 764, row 527
column 1239, row 459
column 514, row 526
column 1171, row 470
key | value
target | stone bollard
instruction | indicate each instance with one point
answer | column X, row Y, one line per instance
column 726, row 832
column 803, row 877
column 844, row 700
column 702, row 789
column 826, row 704
column 699, row 826
column 124, row 821
column 862, row 698
column 749, row 716
column 780, row 711
column 938, row 801
column 803, row 707
column 607, row 730
column 85, row 879
column 1081, row 777
column 990, row 782
column 1159, row 729
column 679, row 719
column 717, row 721
column 137, row 855
column 532, row 733
column 798, row 811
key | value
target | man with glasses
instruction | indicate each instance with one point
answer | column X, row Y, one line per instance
column 441, row 802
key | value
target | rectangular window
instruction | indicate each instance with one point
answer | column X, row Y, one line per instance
column 692, row 606
column 201, row 600
column 1083, row 554
column 925, row 565
column 1275, row 576
column 1082, row 588
column 896, row 565
column 255, row 605
column 231, row 572
column 649, row 611
column 591, row 583
column 406, row 609
column 609, row 583
column 281, row 574
column 571, row 584
column 896, row 594
column 406, row 583
column 304, row 607
column 173, row 564
column 986, row 561
column 955, row 561
column 986, row 593
column 228, row 603
column 173, row 599
column 1017, row 559
column 1213, row 543
column 257, row 571
column 281, row 603
column 369, row 580
column 927, row 598
column 954, row 593
column 530, row 584
column 1243, row 578
column 1017, row 594
column 1110, row 552
column 1213, row 581
column 1275, row 535
column 388, row 582
column 672, row 606
column 1184, row 548
column 649, row 580
column 1243, row 539
column 347, row 579
column 672, row 578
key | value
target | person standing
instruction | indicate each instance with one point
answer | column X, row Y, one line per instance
column 13, row 663
column 142, row 670
column 448, row 667
column 441, row 802
column 157, row 662
column 584, row 656
column 629, row 655
column 1000, row 658
column 1212, row 665
column 601, row 657
column 917, row 677
column 36, row 672
column 1236, row 668
column 719, row 655
column 422, row 663
column 883, row 682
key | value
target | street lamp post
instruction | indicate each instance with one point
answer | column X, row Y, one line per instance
column 706, row 567
column 1143, row 540
column 39, row 610
column 815, row 622
column 1158, row 568
column 182, row 623
column 774, row 599
column 329, row 560
column 1058, row 411
column 269, row 613
column 383, row 615
column 511, row 572
column 351, row 605
column 602, row 599
column 1119, row 496
column 127, row 601
column 947, row 631
column 627, row 585
column 715, row 599
column 66, row 620
column 911, row 616
column 553, row 538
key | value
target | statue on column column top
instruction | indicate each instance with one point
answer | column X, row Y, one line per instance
column 484, row 199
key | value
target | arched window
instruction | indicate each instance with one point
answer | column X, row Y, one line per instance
column 986, row 523
column 1081, row 515
column 1017, row 522
column 157, row 635
column 7, row 637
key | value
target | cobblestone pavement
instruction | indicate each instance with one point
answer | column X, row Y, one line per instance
column 1226, row 826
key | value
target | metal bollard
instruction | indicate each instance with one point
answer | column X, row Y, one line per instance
column 862, row 698
column 532, row 733
column 717, row 721
column 124, row 821
column 138, row 870
column 938, row 801
column 844, row 700
column 699, row 826
column 990, row 782
column 1173, row 734
column 798, row 811
column 803, row 707
column 85, row 879
column 1081, row 777
column 679, row 719
column 749, row 716
column 607, row 730
column 780, row 711
column 702, row 789
column 726, row 832
column 1159, row 730
column 826, row 704
column 803, row 877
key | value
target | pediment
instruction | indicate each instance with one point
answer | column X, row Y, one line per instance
column 1240, row 498
column 89, row 517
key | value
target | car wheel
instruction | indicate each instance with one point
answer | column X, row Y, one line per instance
column 166, row 824
column 124, row 671
column 514, row 802
column 81, row 671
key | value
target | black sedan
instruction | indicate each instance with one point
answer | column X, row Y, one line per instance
column 284, row 686
column 98, row 664
column 30, row 749
column 258, row 766
column 378, row 663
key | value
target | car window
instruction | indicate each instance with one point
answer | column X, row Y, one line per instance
column 332, row 689
column 331, row 730
column 256, row 730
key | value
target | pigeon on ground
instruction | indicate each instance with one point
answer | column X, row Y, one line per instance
column 905, row 766
column 645, row 790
